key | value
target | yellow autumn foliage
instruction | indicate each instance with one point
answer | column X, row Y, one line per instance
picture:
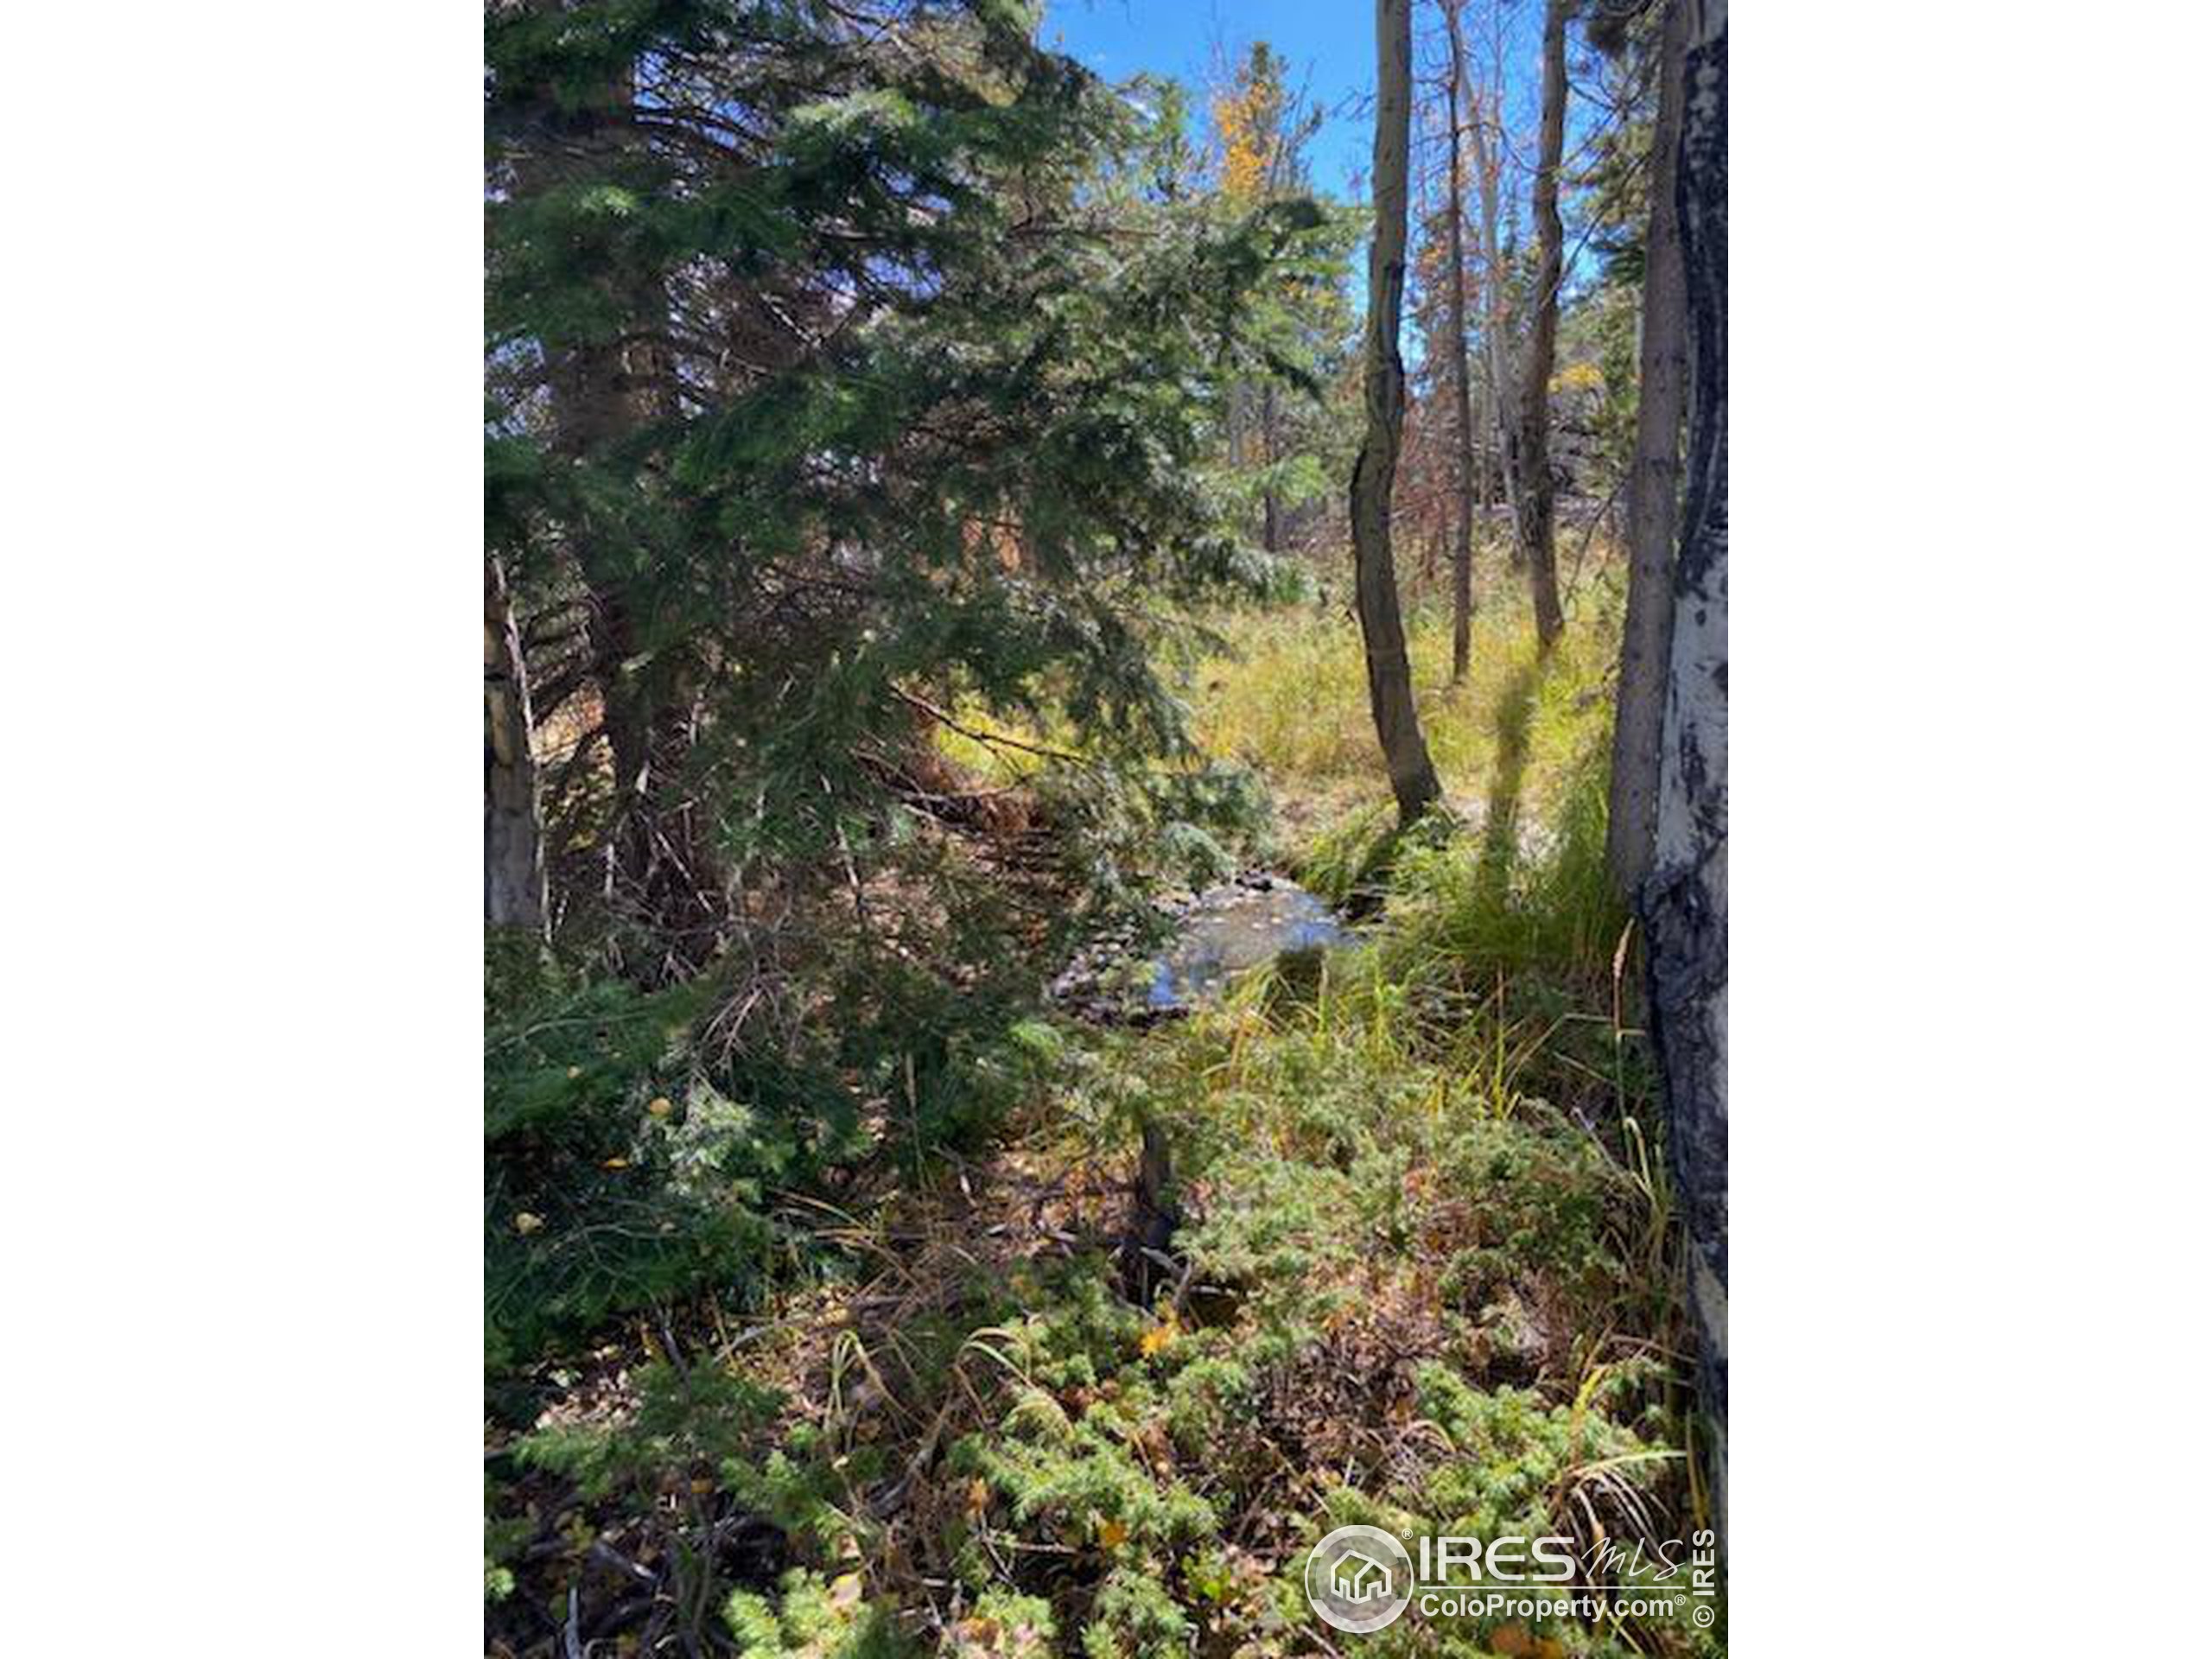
column 1241, row 120
column 1248, row 120
column 1579, row 377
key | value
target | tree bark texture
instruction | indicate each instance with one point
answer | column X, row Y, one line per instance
column 1389, row 675
column 1655, row 477
column 1684, row 901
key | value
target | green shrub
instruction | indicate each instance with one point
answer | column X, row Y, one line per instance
column 810, row 1618
column 601, row 1191
column 631, row 1151
column 685, row 1420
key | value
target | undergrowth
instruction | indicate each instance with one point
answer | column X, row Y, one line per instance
column 1425, row 1275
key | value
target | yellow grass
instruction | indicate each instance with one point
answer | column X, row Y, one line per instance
column 1290, row 700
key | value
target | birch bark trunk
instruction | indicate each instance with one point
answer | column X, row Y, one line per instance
column 1654, row 478
column 1684, row 901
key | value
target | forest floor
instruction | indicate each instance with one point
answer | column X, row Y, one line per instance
column 1424, row 1275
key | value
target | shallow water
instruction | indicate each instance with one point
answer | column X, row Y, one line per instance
column 1236, row 926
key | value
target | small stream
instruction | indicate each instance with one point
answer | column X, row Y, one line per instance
column 1237, row 925
column 1213, row 936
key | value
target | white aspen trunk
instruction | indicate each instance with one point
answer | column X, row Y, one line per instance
column 1684, row 901
column 1654, row 478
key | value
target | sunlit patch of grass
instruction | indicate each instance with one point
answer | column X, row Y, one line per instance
column 997, row 750
column 1289, row 698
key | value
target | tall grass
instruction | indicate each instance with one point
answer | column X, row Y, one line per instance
column 1499, row 956
column 1288, row 697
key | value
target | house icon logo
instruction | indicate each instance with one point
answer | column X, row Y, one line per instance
column 1359, row 1578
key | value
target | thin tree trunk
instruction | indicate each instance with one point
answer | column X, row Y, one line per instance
column 1654, row 478
column 514, row 858
column 1497, row 357
column 1271, row 445
column 1685, row 900
column 1463, row 546
column 1389, row 675
column 1536, row 503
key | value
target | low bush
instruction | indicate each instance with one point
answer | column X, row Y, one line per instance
column 1424, row 1274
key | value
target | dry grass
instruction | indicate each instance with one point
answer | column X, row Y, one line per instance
column 1289, row 698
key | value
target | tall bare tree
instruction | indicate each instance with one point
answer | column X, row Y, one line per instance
column 1684, row 902
column 1486, row 128
column 1654, row 478
column 1462, row 527
column 1389, row 675
column 1536, row 505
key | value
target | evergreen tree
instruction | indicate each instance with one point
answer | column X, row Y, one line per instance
column 848, row 365
column 1286, row 443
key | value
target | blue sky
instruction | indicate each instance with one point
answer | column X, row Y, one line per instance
column 1330, row 45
